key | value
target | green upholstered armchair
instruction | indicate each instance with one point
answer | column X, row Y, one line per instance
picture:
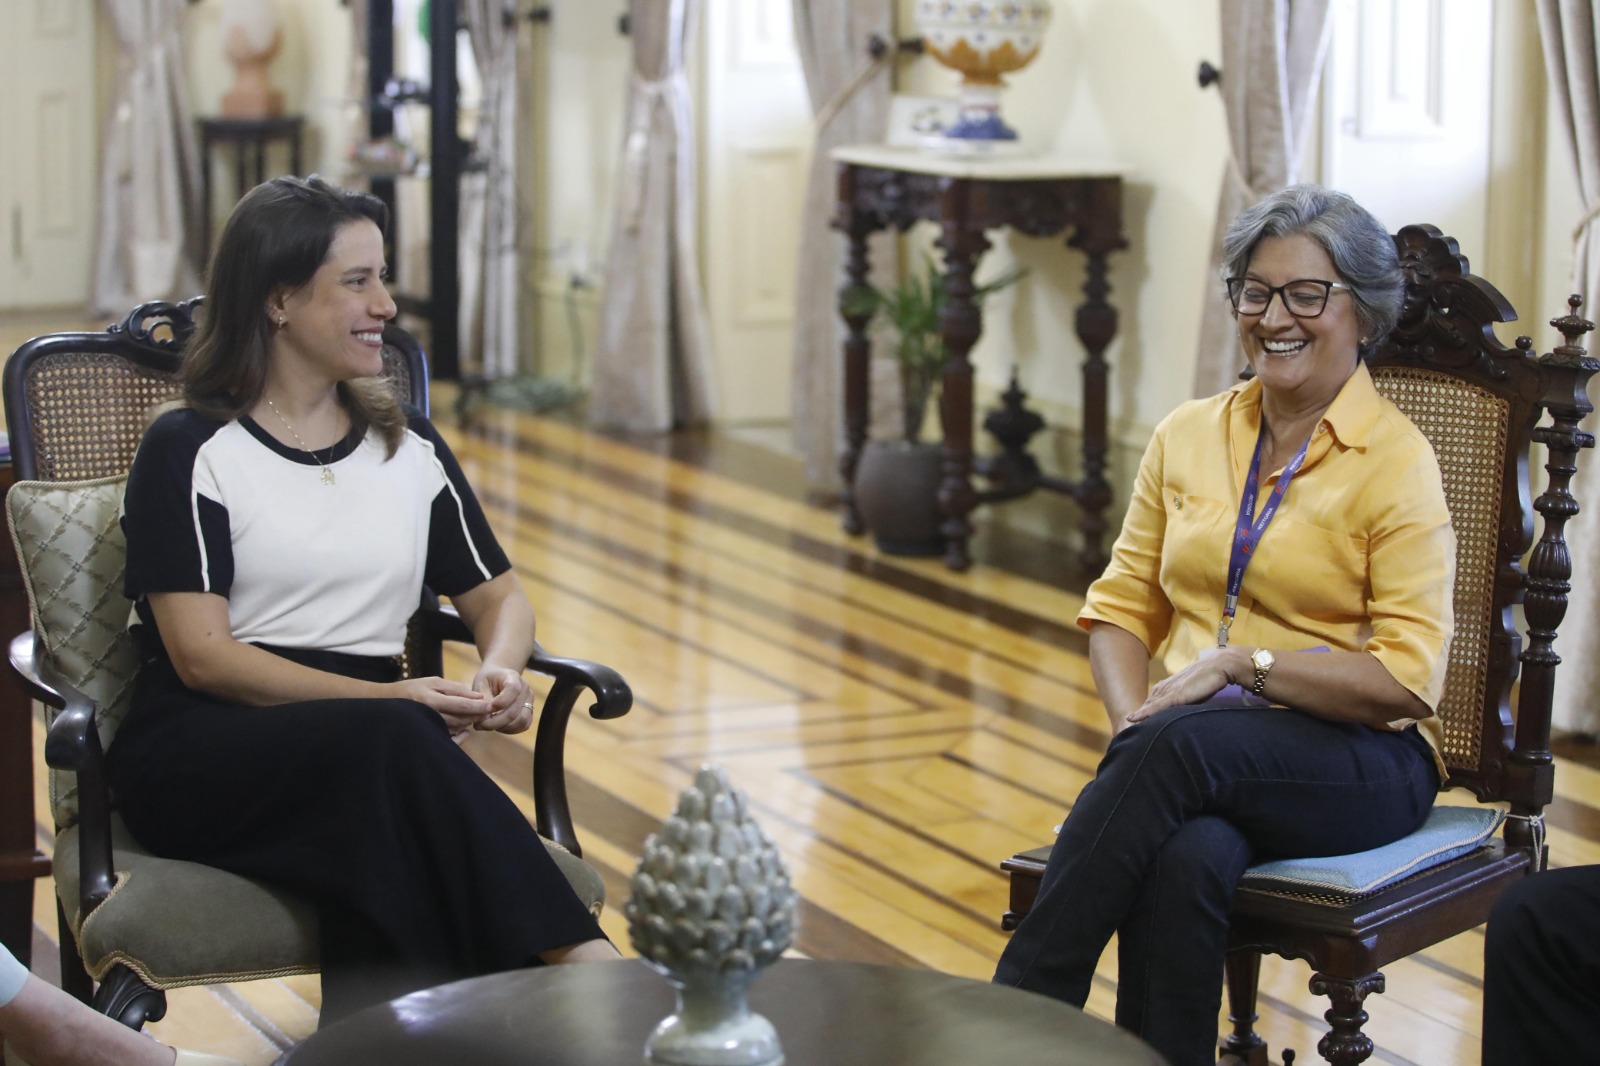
column 76, row 406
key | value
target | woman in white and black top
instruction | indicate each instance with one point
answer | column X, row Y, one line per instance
column 281, row 526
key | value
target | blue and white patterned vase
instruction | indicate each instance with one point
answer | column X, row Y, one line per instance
column 982, row 39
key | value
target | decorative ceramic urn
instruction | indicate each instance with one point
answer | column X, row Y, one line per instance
column 982, row 39
column 251, row 36
column 711, row 906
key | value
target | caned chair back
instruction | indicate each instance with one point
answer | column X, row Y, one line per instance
column 1478, row 402
column 77, row 404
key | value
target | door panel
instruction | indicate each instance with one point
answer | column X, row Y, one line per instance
column 757, row 135
column 49, row 159
column 1407, row 108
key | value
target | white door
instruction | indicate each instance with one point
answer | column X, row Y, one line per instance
column 756, row 123
column 49, row 161
column 1406, row 121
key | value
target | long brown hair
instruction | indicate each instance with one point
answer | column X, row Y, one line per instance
column 277, row 237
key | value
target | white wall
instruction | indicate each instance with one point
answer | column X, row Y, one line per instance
column 1562, row 207
column 577, row 95
column 312, row 70
column 573, row 94
column 1115, row 80
column 583, row 83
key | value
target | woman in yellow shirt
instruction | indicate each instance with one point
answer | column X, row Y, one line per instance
column 1288, row 537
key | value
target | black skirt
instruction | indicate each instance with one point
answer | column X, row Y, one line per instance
column 423, row 870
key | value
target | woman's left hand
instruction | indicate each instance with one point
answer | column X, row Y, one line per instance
column 1195, row 683
column 510, row 700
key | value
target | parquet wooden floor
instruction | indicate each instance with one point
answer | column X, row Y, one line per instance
column 898, row 728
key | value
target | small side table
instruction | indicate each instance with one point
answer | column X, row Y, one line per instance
column 249, row 138
column 880, row 187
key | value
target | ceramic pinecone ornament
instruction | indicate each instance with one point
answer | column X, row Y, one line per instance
column 711, row 905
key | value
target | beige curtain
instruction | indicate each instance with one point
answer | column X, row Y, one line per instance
column 652, row 365
column 488, row 220
column 149, row 172
column 850, row 99
column 1571, row 35
column 1272, row 53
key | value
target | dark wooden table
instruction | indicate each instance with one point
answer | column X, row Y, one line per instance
column 826, row 1014
column 21, row 861
column 249, row 139
column 882, row 187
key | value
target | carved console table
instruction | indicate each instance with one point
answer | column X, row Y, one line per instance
column 882, row 187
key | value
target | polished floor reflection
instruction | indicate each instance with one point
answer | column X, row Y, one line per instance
column 899, row 728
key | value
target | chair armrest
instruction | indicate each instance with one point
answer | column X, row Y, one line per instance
column 73, row 744
column 66, row 745
column 613, row 696
column 612, row 699
column 443, row 622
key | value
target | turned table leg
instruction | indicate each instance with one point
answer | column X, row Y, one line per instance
column 1098, row 234
column 1096, row 324
column 960, row 324
column 857, row 346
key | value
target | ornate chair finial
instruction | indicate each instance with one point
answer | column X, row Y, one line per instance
column 1572, row 326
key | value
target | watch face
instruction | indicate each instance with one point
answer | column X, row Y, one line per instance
column 1262, row 659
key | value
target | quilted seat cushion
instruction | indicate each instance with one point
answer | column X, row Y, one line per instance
column 179, row 923
column 1448, row 832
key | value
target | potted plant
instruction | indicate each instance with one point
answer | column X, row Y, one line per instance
column 897, row 481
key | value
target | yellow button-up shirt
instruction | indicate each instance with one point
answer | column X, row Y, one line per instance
column 1360, row 556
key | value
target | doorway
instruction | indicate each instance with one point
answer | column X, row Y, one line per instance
column 50, row 166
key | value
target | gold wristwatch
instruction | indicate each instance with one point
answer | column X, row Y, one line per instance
column 1262, row 659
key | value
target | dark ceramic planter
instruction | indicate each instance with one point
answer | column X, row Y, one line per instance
column 897, row 493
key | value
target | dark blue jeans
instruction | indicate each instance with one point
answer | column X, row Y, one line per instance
column 1156, row 843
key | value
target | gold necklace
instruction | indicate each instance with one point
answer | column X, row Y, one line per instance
column 327, row 475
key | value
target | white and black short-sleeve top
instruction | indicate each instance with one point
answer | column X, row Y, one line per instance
column 224, row 507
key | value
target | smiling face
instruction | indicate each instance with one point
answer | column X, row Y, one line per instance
column 333, row 327
column 1303, row 359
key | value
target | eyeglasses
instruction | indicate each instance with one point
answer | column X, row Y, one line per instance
column 1302, row 298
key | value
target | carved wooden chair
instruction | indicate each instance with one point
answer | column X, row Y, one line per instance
column 1481, row 405
column 76, row 406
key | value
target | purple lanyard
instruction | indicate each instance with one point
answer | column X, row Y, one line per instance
column 1248, row 530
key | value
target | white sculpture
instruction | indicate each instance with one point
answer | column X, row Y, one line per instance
column 251, row 36
column 711, row 906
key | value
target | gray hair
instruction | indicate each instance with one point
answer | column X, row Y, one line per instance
column 1358, row 244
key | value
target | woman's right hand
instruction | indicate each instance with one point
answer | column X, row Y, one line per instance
column 459, row 705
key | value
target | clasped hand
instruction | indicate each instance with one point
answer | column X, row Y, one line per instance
column 1195, row 683
column 498, row 699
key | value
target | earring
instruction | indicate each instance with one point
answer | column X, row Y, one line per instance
column 284, row 321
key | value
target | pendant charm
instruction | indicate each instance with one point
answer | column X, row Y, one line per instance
column 327, row 476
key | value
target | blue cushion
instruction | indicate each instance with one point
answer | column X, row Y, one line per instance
column 1448, row 832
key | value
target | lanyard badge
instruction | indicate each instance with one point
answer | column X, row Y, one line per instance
column 1250, row 527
